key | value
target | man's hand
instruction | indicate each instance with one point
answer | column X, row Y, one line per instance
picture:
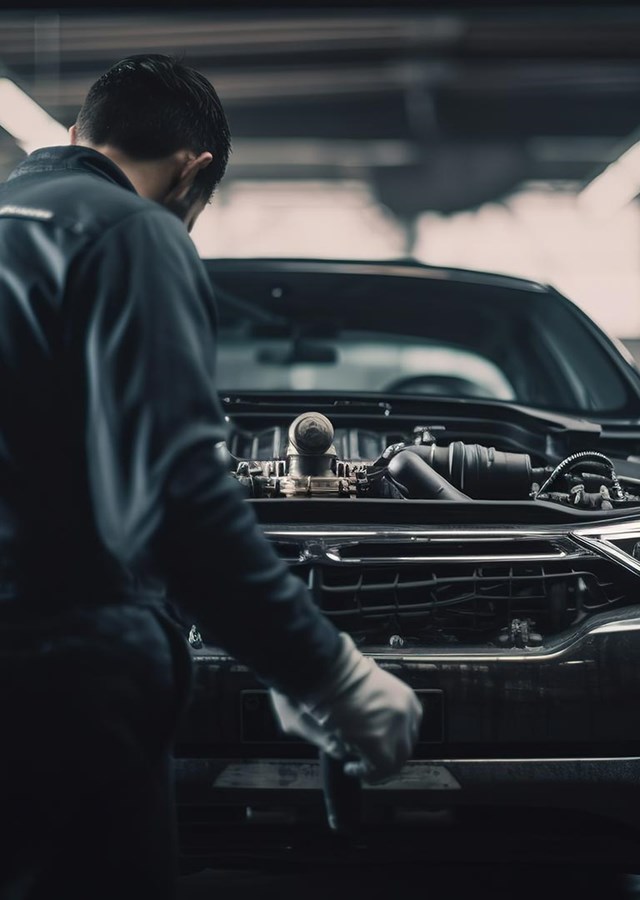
column 363, row 711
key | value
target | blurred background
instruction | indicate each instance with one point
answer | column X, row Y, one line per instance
column 502, row 139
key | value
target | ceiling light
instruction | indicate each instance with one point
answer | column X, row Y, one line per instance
column 26, row 121
column 614, row 188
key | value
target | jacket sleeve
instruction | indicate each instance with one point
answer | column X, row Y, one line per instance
column 152, row 419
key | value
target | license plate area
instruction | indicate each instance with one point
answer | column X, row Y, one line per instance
column 258, row 724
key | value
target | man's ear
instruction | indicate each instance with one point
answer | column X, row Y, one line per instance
column 73, row 135
column 193, row 164
column 188, row 171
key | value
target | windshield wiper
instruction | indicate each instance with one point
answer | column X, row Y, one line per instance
column 282, row 400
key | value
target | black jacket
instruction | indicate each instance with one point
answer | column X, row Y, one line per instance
column 109, row 488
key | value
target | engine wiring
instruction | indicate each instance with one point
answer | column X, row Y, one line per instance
column 581, row 458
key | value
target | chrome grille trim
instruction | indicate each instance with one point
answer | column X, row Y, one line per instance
column 333, row 554
column 566, row 646
column 328, row 545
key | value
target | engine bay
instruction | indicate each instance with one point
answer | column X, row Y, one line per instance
column 310, row 458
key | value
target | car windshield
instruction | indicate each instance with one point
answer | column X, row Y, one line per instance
column 407, row 336
column 359, row 361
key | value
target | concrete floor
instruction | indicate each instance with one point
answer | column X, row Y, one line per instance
column 394, row 883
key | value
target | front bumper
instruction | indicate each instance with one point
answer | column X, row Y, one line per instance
column 565, row 811
column 526, row 739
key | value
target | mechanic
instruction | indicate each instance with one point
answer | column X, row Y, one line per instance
column 113, row 499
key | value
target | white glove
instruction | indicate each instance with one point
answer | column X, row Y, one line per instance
column 363, row 712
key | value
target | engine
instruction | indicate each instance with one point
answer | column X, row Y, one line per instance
column 425, row 468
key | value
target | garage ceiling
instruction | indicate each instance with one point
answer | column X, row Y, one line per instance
column 436, row 110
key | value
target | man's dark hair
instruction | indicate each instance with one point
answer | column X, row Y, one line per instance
column 149, row 106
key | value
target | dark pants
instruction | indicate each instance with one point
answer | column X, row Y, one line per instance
column 89, row 702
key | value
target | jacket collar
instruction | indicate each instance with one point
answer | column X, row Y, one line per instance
column 75, row 159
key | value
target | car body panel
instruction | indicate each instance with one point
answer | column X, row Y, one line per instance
column 525, row 724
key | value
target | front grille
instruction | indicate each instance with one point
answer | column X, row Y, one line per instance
column 369, row 551
column 499, row 604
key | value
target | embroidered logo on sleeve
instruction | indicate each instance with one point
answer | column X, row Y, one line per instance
column 27, row 212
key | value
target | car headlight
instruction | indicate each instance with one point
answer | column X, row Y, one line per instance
column 619, row 542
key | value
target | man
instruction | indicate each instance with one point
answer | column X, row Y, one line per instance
column 112, row 499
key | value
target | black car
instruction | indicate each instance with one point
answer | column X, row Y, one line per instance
column 451, row 461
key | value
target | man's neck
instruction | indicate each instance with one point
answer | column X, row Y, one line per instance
column 151, row 178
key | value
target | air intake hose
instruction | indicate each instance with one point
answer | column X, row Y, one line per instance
column 482, row 472
column 418, row 481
